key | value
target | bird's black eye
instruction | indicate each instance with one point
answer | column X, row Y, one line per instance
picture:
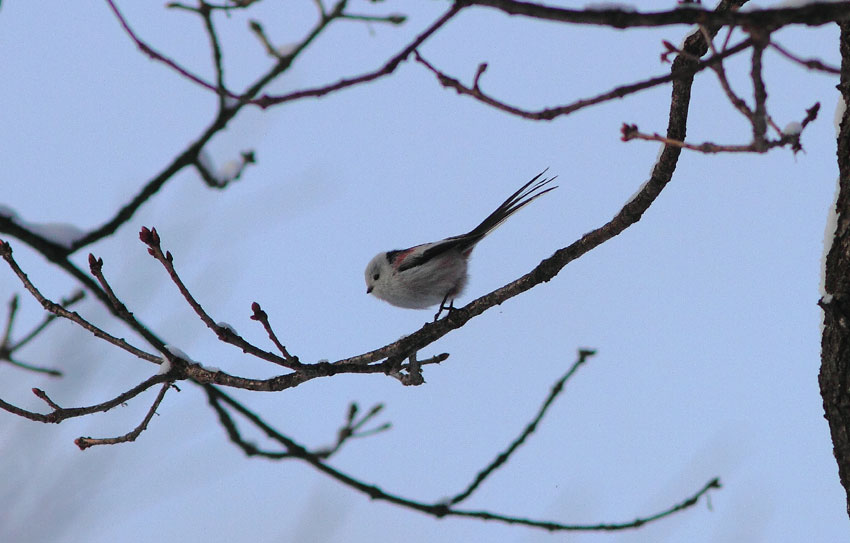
column 376, row 277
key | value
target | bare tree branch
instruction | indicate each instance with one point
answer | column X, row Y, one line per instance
column 293, row 450
column 631, row 132
column 85, row 442
column 151, row 238
column 59, row 311
column 810, row 14
column 61, row 413
column 811, row 63
column 550, row 113
column 388, row 68
column 156, row 55
column 503, row 457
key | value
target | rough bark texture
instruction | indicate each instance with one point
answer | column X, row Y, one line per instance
column 835, row 344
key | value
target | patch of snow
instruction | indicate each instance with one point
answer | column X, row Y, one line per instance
column 229, row 170
column 840, row 108
column 205, row 160
column 165, row 367
column 793, row 128
column 62, row 234
column 177, row 353
column 286, row 49
column 6, row 211
column 227, row 326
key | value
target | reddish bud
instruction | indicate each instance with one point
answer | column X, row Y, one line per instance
column 628, row 131
column 145, row 235
column 259, row 314
column 95, row 264
column 149, row 236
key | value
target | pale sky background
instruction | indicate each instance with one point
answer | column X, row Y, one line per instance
column 704, row 313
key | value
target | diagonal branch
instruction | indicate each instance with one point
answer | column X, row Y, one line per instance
column 631, row 213
column 85, row 442
column 151, row 238
column 189, row 156
column 810, row 63
column 61, row 413
column 503, row 457
column 388, row 68
column 156, row 55
column 550, row 113
column 75, row 297
column 438, row 510
column 59, row 311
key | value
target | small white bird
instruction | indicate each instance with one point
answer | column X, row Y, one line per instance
column 434, row 273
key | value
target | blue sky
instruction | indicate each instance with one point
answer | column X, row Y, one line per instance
column 704, row 314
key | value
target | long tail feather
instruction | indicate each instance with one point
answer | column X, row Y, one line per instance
column 525, row 195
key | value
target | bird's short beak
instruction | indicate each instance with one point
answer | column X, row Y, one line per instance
column 369, row 289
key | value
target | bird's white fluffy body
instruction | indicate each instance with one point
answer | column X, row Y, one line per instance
column 434, row 273
column 418, row 287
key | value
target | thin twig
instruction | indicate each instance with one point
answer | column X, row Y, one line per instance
column 631, row 132
column 503, row 457
column 205, row 11
column 550, row 113
column 811, row 63
column 263, row 318
column 189, row 155
column 61, row 413
column 58, row 310
column 636, row 523
column 75, row 297
column 150, row 237
column 439, row 510
column 85, row 442
column 388, row 68
column 10, row 321
column 351, row 429
column 53, row 372
column 718, row 69
column 394, row 19
column 156, row 55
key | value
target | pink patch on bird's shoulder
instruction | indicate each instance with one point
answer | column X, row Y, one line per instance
column 402, row 256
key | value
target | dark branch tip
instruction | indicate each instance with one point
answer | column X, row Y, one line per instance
column 259, row 314
column 95, row 264
column 149, row 236
column 628, row 131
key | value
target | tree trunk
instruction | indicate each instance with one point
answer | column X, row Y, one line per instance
column 835, row 344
